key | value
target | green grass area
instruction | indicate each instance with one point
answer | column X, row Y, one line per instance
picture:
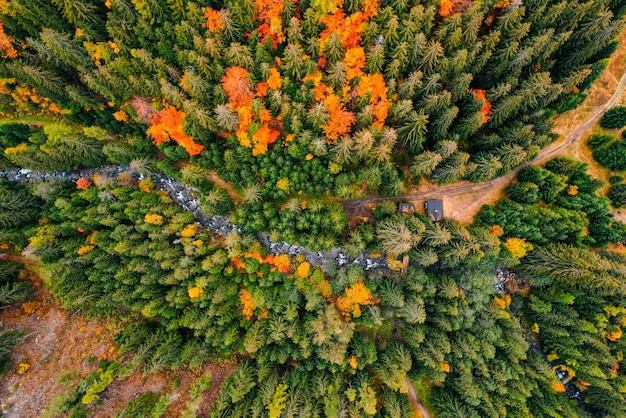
column 27, row 119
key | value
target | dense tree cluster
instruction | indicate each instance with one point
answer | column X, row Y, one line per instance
column 555, row 204
column 609, row 151
column 314, row 341
column 576, row 308
column 614, row 118
column 456, row 90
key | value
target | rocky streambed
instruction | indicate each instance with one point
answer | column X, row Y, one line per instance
column 184, row 196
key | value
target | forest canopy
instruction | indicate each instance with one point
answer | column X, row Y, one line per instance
column 452, row 89
column 277, row 113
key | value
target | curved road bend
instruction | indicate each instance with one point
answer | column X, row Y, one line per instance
column 467, row 187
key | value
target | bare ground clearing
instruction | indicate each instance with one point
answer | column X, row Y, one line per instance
column 60, row 342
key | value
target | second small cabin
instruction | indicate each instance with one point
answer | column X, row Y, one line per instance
column 434, row 210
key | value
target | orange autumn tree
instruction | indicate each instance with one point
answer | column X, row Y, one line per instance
column 6, row 44
column 237, row 87
column 247, row 303
column 356, row 295
column 167, row 124
column 354, row 61
column 281, row 263
column 340, row 121
column 83, row 183
column 348, row 28
column 376, row 87
column 274, row 81
column 240, row 96
column 449, row 7
column 263, row 137
column 480, row 95
column 214, row 20
column 268, row 14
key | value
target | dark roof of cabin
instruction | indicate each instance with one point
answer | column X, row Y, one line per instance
column 434, row 209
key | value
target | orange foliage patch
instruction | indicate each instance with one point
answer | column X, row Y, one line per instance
column 340, row 121
column 354, row 61
column 282, row 263
column 375, row 85
column 167, row 124
column 558, row 387
column 479, row 94
column 189, row 231
column 265, row 115
column 449, row 7
column 274, row 81
column 237, row 87
column 572, row 190
column 349, row 28
column 85, row 249
column 6, row 44
column 353, row 362
column 22, row 368
column 356, row 295
column 83, row 183
column 194, row 292
column 153, row 219
column 261, row 89
column 145, row 185
column 303, row 270
column 614, row 335
column 247, row 303
column 502, row 302
column 263, row 137
column 214, row 21
column 496, row 230
column 120, row 115
column 267, row 12
column 501, row 4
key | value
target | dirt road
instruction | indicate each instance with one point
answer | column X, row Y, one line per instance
column 467, row 187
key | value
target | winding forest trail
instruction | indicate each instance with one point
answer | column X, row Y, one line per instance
column 466, row 187
column 414, row 400
column 212, row 175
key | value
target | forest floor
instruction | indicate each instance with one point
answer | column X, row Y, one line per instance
column 59, row 344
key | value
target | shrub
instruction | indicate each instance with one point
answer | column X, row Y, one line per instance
column 617, row 194
column 599, row 141
column 612, row 156
column 523, row 192
column 614, row 118
column 616, row 179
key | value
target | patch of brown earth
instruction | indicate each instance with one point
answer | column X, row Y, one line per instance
column 58, row 342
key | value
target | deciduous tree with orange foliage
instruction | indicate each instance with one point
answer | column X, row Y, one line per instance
column 167, row 124
column 356, row 295
column 268, row 14
column 6, row 44
column 214, row 20
column 237, row 87
column 480, row 94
